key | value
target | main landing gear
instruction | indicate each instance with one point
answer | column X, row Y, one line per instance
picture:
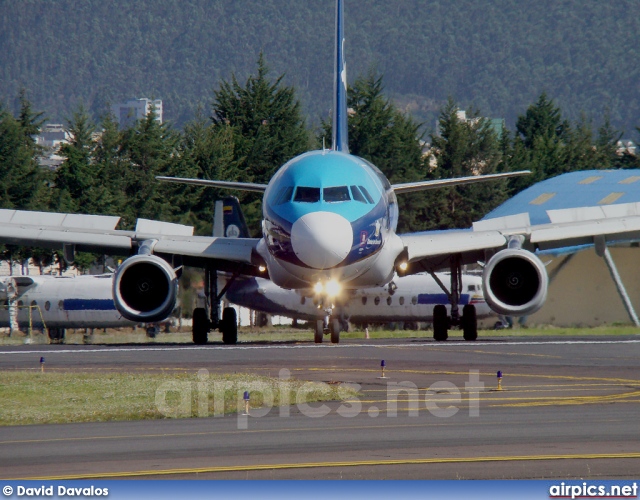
column 468, row 322
column 207, row 318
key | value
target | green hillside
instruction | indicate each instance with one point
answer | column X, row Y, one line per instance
column 495, row 55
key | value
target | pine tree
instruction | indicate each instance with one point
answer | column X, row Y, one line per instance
column 268, row 130
column 111, row 166
column 541, row 136
column 208, row 152
column 77, row 175
column 150, row 148
column 463, row 147
column 24, row 183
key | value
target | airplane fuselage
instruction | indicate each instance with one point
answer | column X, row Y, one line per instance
column 329, row 215
column 61, row 302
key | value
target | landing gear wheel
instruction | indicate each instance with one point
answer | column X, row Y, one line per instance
column 56, row 335
column 469, row 322
column 318, row 332
column 229, row 326
column 200, row 328
column 335, row 330
column 152, row 331
column 440, row 323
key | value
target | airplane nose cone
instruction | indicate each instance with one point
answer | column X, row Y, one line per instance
column 321, row 239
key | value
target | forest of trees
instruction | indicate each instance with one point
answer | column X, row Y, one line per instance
column 255, row 126
column 496, row 56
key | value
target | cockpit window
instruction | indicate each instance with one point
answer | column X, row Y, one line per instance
column 337, row 193
column 357, row 195
column 285, row 195
column 307, row 194
column 366, row 194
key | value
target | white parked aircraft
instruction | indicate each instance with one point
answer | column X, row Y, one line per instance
column 329, row 223
column 55, row 303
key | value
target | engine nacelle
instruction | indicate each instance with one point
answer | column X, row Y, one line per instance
column 145, row 288
column 515, row 282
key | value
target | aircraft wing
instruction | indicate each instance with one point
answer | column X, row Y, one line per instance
column 97, row 233
column 240, row 186
column 570, row 227
column 409, row 187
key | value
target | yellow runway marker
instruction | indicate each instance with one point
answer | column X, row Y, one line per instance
column 355, row 463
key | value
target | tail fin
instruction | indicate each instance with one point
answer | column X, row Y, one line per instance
column 228, row 219
column 340, row 137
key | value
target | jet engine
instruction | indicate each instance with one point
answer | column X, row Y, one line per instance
column 145, row 288
column 515, row 282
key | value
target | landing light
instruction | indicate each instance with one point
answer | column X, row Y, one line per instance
column 318, row 287
column 403, row 266
column 333, row 288
column 262, row 269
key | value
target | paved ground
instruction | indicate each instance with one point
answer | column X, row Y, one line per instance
column 568, row 409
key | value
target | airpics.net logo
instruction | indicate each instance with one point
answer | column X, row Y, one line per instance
column 586, row 490
column 442, row 399
column 59, row 491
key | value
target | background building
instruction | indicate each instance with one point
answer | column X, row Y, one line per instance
column 135, row 109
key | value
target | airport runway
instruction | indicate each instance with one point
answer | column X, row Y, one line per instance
column 568, row 409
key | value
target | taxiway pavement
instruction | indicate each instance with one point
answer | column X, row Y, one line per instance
column 567, row 409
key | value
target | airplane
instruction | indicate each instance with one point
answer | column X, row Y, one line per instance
column 56, row 303
column 409, row 299
column 329, row 223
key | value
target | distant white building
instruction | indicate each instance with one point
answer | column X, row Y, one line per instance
column 135, row 109
column 50, row 138
column 52, row 135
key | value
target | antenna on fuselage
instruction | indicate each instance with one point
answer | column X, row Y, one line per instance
column 340, row 137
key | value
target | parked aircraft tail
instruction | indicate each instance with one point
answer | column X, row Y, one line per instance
column 228, row 219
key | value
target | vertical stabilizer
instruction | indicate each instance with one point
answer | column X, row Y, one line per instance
column 340, row 137
column 228, row 219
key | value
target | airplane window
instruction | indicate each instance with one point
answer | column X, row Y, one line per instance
column 389, row 301
column 303, row 300
column 285, row 195
column 47, row 305
column 414, row 300
column 472, row 288
column 357, row 195
column 20, row 303
column 307, row 194
column 401, row 301
column 337, row 193
column 366, row 194
column 376, row 301
column 364, row 301
column 34, row 303
column 61, row 305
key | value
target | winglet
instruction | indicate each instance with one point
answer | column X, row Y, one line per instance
column 340, row 139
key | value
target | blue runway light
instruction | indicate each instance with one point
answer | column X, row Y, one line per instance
column 499, row 374
column 246, row 403
column 499, row 388
column 42, row 363
column 382, row 365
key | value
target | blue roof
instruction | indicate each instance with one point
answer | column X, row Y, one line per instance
column 585, row 188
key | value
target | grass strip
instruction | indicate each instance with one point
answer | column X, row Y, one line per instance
column 33, row 397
